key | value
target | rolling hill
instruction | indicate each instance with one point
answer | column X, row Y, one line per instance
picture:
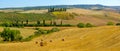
column 83, row 6
column 96, row 17
column 105, row 38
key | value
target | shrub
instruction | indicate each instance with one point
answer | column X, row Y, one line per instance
column 18, row 25
column 7, row 24
column 117, row 24
column 11, row 35
column 81, row 25
column 41, row 31
column 29, row 38
column 55, row 29
column 88, row 25
column 37, row 28
column 110, row 23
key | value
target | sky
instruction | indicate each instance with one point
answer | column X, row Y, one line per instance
column 26, row 3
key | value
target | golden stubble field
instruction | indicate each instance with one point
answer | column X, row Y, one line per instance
column 105, row 38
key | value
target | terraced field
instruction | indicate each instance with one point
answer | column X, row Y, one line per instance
column 105, row 38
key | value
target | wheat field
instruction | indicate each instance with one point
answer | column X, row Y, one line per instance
column 105, row 38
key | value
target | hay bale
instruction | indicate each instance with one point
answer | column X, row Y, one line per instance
column 36, row 42
column 41, row 43
column 41, row 39
column 50, row 41
column 63, row 39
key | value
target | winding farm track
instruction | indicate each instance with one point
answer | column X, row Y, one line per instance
column 105, row 38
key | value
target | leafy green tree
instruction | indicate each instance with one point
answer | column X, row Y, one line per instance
column 55, row 29
column 11, row 35
column 110, row 23
column 7, row 24
column 118, row 24
column 81, row 25
column 105, row 15
column 89, row 25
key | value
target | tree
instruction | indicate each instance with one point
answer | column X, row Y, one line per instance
column 118, row 24
column 81, row 25
column 51, row 10
column 7, row 24
column 89, row 25
column 51, row 22
column 43, row 22
column 27, row 21
column 105, row 15
column 17, row 22
column 55, row 29
column 61, row 22
column 38, row 22
column 64, row 9
column 110, row 23
column 54, row 23
column 11, row 35
column 22, row 22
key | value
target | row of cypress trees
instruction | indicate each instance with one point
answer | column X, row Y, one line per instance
column 26, row 23
column 56, row 9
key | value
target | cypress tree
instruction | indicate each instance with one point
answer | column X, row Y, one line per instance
column 17, row 22
column 61, row 23
column 54, row 23
column 43, row 22
column 51, row 22
column 38, row 22
column 27, row 21
column 22, row 22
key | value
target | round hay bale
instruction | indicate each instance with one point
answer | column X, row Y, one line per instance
column 41, row 43
column 36, row 42
column 63, row 39
column 50, row 41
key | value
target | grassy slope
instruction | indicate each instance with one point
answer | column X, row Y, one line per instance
column 106, row 38
column 95, row 17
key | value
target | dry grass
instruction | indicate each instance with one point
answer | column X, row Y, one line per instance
column 106, row 38
column 95, row 17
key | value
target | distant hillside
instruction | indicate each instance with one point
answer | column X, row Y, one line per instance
column 97, row 6
column 115, row 7
column 71, row 16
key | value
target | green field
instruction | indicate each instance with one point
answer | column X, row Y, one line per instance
column 24, row 16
